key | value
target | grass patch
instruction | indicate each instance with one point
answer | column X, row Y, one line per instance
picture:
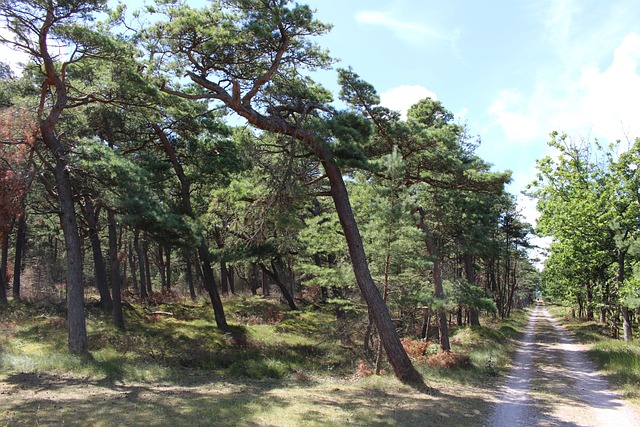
column 272, row 367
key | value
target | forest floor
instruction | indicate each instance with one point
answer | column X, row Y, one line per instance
column 50, row 399
column 553, row 383
column 181, row 370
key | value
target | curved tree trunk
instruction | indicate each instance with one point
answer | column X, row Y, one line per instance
column 396, row 354
column 281, row 285
column 378, row 310
column 203, row 249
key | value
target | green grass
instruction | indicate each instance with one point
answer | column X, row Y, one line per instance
column 160, row 347
column 272, row 367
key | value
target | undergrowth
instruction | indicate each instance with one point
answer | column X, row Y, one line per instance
column 173, row 340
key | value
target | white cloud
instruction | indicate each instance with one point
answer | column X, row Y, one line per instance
column 408, row 31
column 587, row 101
column 611, row 99
column 8, row 55
column 402, row 97
column 516, row 116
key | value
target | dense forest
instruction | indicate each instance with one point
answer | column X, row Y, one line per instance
column 179, row 152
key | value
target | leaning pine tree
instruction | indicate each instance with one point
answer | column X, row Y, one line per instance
column 247, row 54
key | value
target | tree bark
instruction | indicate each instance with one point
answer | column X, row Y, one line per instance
column 378, row 310
column 141, row 262
column 203, row 249
column 283, row 288
column 232, row 279
column 192, row 289
column 441, row 314
column 132, row 266
column 589, row 299
column 396, row 354
column 265, row 284
column 100, row 271
column 470, row 273
column 224, row 278
column 77, row 330
column 114, row 267
column 210, row 285
column 626, row 323
column 161, row 267
column 168, row 266
column 147, row 265
column 21, row 238
column 4, row 255
column 3, row 288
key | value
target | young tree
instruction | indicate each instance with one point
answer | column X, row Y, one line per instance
column 588, row 199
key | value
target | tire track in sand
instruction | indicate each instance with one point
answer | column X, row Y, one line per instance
column 553, row 383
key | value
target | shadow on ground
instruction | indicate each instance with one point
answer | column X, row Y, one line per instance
column 49, row 399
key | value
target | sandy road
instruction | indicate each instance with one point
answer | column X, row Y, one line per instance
column 553, row 383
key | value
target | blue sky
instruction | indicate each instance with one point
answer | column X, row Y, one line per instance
column 513, row 70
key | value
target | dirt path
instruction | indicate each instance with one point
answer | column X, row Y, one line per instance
column 553, row 383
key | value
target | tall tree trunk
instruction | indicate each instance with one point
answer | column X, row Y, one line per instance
column 167, row 266
column 147, row 265
column 265, row 284
column 470, row 273
column 3, row 287
column 54, row 99
column 192, row 289
column 161, row 267
column 589, row 300
column 424, row 330
column 4, row 260
column 100, row 271
column 114, row 267
column 254, row 279
column 224, row 278
column 232, row 279
column 441, row 313
column 514, row 283
column 396, row 354
column 132, row 266
column 210, row 285
column 21, row 239
column 203, row 249
column 385, row 290
column 281, row 285
column 141, row 262
column 626, row 323
column 76, row 323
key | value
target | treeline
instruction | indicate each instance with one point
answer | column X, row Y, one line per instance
column 119, row 171
column 589, row 199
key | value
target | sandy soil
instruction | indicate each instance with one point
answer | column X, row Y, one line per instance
column 553, row 383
